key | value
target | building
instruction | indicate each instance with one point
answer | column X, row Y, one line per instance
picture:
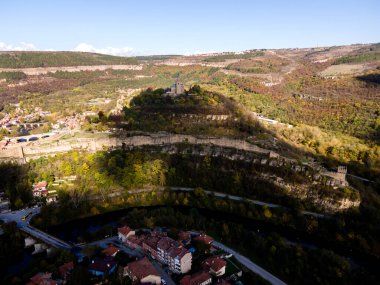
column 5, row 205
column 110, row 251
column 149, row 245
column 42, row 279
column 163, row 247
column 142, row 271
column 184, row 237
column 124, row 233
column 179, row 259
column 65, row 269
column 170, row 252
column 215, row 265
column 165, row 250
column 204, row 238
column 40, row 189
column 176, row 89
column 338, row 177
column 201, row 278
column 135, row 242
column 100, row 266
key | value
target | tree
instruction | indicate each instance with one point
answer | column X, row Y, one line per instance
column 79, row 276
column 267, row 213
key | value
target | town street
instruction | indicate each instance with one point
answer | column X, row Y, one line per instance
column 23, row 224
column 250, row 265
column 45, row 237
column 131, row 252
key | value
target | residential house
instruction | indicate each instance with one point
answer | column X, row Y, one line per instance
column 201, row 278
column 40, row 189
column 184, row 237
column 110, row 251
column 163, row 246
column 149, row 245
column 179, row 259
column 65, row 269
column 124, row 233
column 215, row 265
column 100, row 266
column 42, row 279
column 135, row 242
column 204, row 238
column 142, row 271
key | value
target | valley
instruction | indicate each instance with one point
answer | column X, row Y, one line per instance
column 273, row 153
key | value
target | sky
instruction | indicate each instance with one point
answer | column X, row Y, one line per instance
column 143, row 27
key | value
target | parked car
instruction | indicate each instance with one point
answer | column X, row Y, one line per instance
column 32, row 139
column 21, row 140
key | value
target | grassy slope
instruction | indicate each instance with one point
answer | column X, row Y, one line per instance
column 64, row 58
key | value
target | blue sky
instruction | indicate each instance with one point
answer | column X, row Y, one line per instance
column 184, row 26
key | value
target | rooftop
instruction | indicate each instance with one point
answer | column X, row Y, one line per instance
column 204, row 238
column 124, row 230
column 40, row 184
column 215, row 263
column 101, row 265
column 111, row 250
column 141, row 268
column 195, row 279
column 65, row 268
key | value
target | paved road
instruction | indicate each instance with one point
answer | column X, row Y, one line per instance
column 23, row 225
column 16, row 216
column 162, row 273
column 360, row 178
column 231, row 197
column 131, row 252
column 250, row 265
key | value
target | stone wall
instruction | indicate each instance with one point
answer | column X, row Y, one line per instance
column 92, row 145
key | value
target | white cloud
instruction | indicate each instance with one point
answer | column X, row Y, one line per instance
column 20, row 47
column 122, row 51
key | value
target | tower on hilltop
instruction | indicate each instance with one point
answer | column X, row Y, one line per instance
column 177, row 88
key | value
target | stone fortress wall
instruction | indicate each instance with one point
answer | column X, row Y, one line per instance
column 21, row 154
column 89, row 144
column 224, row 147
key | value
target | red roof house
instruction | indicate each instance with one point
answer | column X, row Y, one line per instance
column 65, row 269
column 124, row 233
column 204, row 238
column 42, row 279
column 40, row 189
column 215, row 265
column 111, row 250
column 142, row 271
column 201, row 278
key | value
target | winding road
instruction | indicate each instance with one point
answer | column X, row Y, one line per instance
column 250, row 265
column 228, row 196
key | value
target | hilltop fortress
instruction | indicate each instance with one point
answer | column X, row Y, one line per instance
column 233, row 149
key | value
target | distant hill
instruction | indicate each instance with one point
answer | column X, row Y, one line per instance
column 62, row 58
column 156, row 57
